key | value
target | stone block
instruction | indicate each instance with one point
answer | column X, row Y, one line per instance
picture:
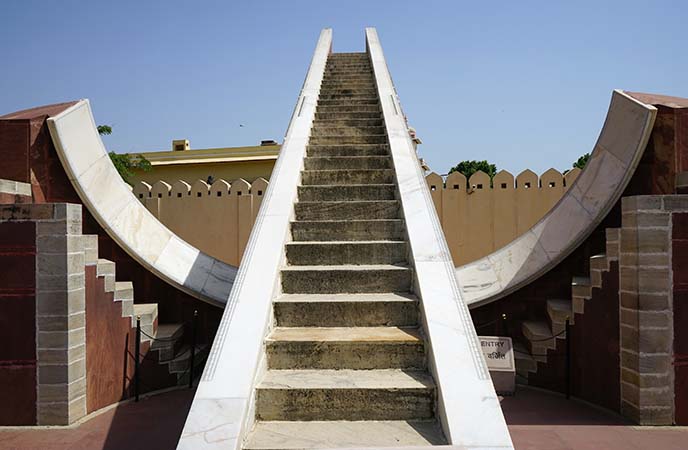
column 655, row 380
column 676, row 203
column 59, row 244
column 630, row 411
column 656, row 397
column 61, row 356
column 61, row 302
column 641, row 202
column 637, row 219
column 629, row 240
column 628, row 317
column 60, row 323
column 15, row 212
column 60, row 282
column 630, row 376
column 630, row 359
column 654, row 280
column 58, row 227
column 628, row 279
column 61, row 413
column 650, row 240
column 60, row 263
column 67, row 211
column 661, row 363
column 61, row 374
column 629, row 337
column 61, row 339
column 653, row 302
column 628, row 300
column 654, row 340
column 656, row 415
column 49, row 393
column 654, row 319
column 630, row 393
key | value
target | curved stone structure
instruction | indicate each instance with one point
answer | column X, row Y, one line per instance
column 613, row 161
column 125, row 219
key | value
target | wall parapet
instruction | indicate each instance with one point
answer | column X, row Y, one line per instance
column 480, row 215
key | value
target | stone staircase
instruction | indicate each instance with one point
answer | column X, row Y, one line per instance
column 346, row 359
column 167, row 348
column 538, row 333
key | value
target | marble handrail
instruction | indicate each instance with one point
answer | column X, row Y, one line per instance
column 613, row 161
column 222, row 408
column 111, row 201
column 467, row 405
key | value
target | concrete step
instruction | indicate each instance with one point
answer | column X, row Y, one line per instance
column 167, row 340
column 348, row 139
column 348, row 230
column 345, row 252
column 295, row 435
column 342, row 109
column 106, row 269
column 124, row 293
column 352, row 210
column 347, row 162
column 581, row 287
column 181, row 363
column 539, row 335
column 148, row 312
column 346, row 84
column 346, row 279
column 350, row 192
column 559, row 310
column 599, row 262
column 371, row 113
column 352, row 101
column 347, row 131
column 345, row 395
column 316, row 151
column 358, row 123
column 345, row 348
column 347, row 92
column 339, row 177
column 345, row 72
column 346, row 310
column 524, row 361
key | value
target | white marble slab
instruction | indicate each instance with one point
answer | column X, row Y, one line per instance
column 111, row 201
column 467, row 404
column 221, row 411
column 613, row 161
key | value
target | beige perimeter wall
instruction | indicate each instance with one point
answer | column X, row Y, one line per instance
column 218, row 219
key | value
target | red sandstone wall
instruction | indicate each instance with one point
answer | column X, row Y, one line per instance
column 680, row 268
column 17, row 323
column 29, row 156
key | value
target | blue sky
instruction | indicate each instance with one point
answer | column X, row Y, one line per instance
column 523, row 84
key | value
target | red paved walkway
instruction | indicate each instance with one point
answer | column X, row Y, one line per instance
column 537, row 421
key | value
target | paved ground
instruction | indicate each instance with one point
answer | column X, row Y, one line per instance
column 537, row 421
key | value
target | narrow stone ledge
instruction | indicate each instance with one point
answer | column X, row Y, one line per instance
column 675, row 203
column 61, row 302
column 641, row 202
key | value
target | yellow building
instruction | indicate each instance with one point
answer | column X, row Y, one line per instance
column 229, row 163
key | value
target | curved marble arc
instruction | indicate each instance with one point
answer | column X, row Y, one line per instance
column 613, row 161
column 125, row 219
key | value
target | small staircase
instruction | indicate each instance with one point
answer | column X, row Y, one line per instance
column 542, row 336
column 166, row 346
column 346, row 360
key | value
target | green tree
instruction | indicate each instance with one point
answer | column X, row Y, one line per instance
column 124, row 162
column 582, row 161
column 468, row 168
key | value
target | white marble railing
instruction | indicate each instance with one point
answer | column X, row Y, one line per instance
column 468, row 407
column 222, row 408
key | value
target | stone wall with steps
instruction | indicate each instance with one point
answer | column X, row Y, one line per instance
column 84, row 323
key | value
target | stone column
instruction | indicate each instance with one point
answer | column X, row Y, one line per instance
column 60, row 317
column 646, row 328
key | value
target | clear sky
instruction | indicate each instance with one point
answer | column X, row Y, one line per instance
column 523, row 84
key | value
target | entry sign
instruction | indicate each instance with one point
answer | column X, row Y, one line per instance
column 499, row 355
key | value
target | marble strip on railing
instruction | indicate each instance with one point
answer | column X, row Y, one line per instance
column 468, row 407
column 222, row 408
column 613, row 161
column 111, row 201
